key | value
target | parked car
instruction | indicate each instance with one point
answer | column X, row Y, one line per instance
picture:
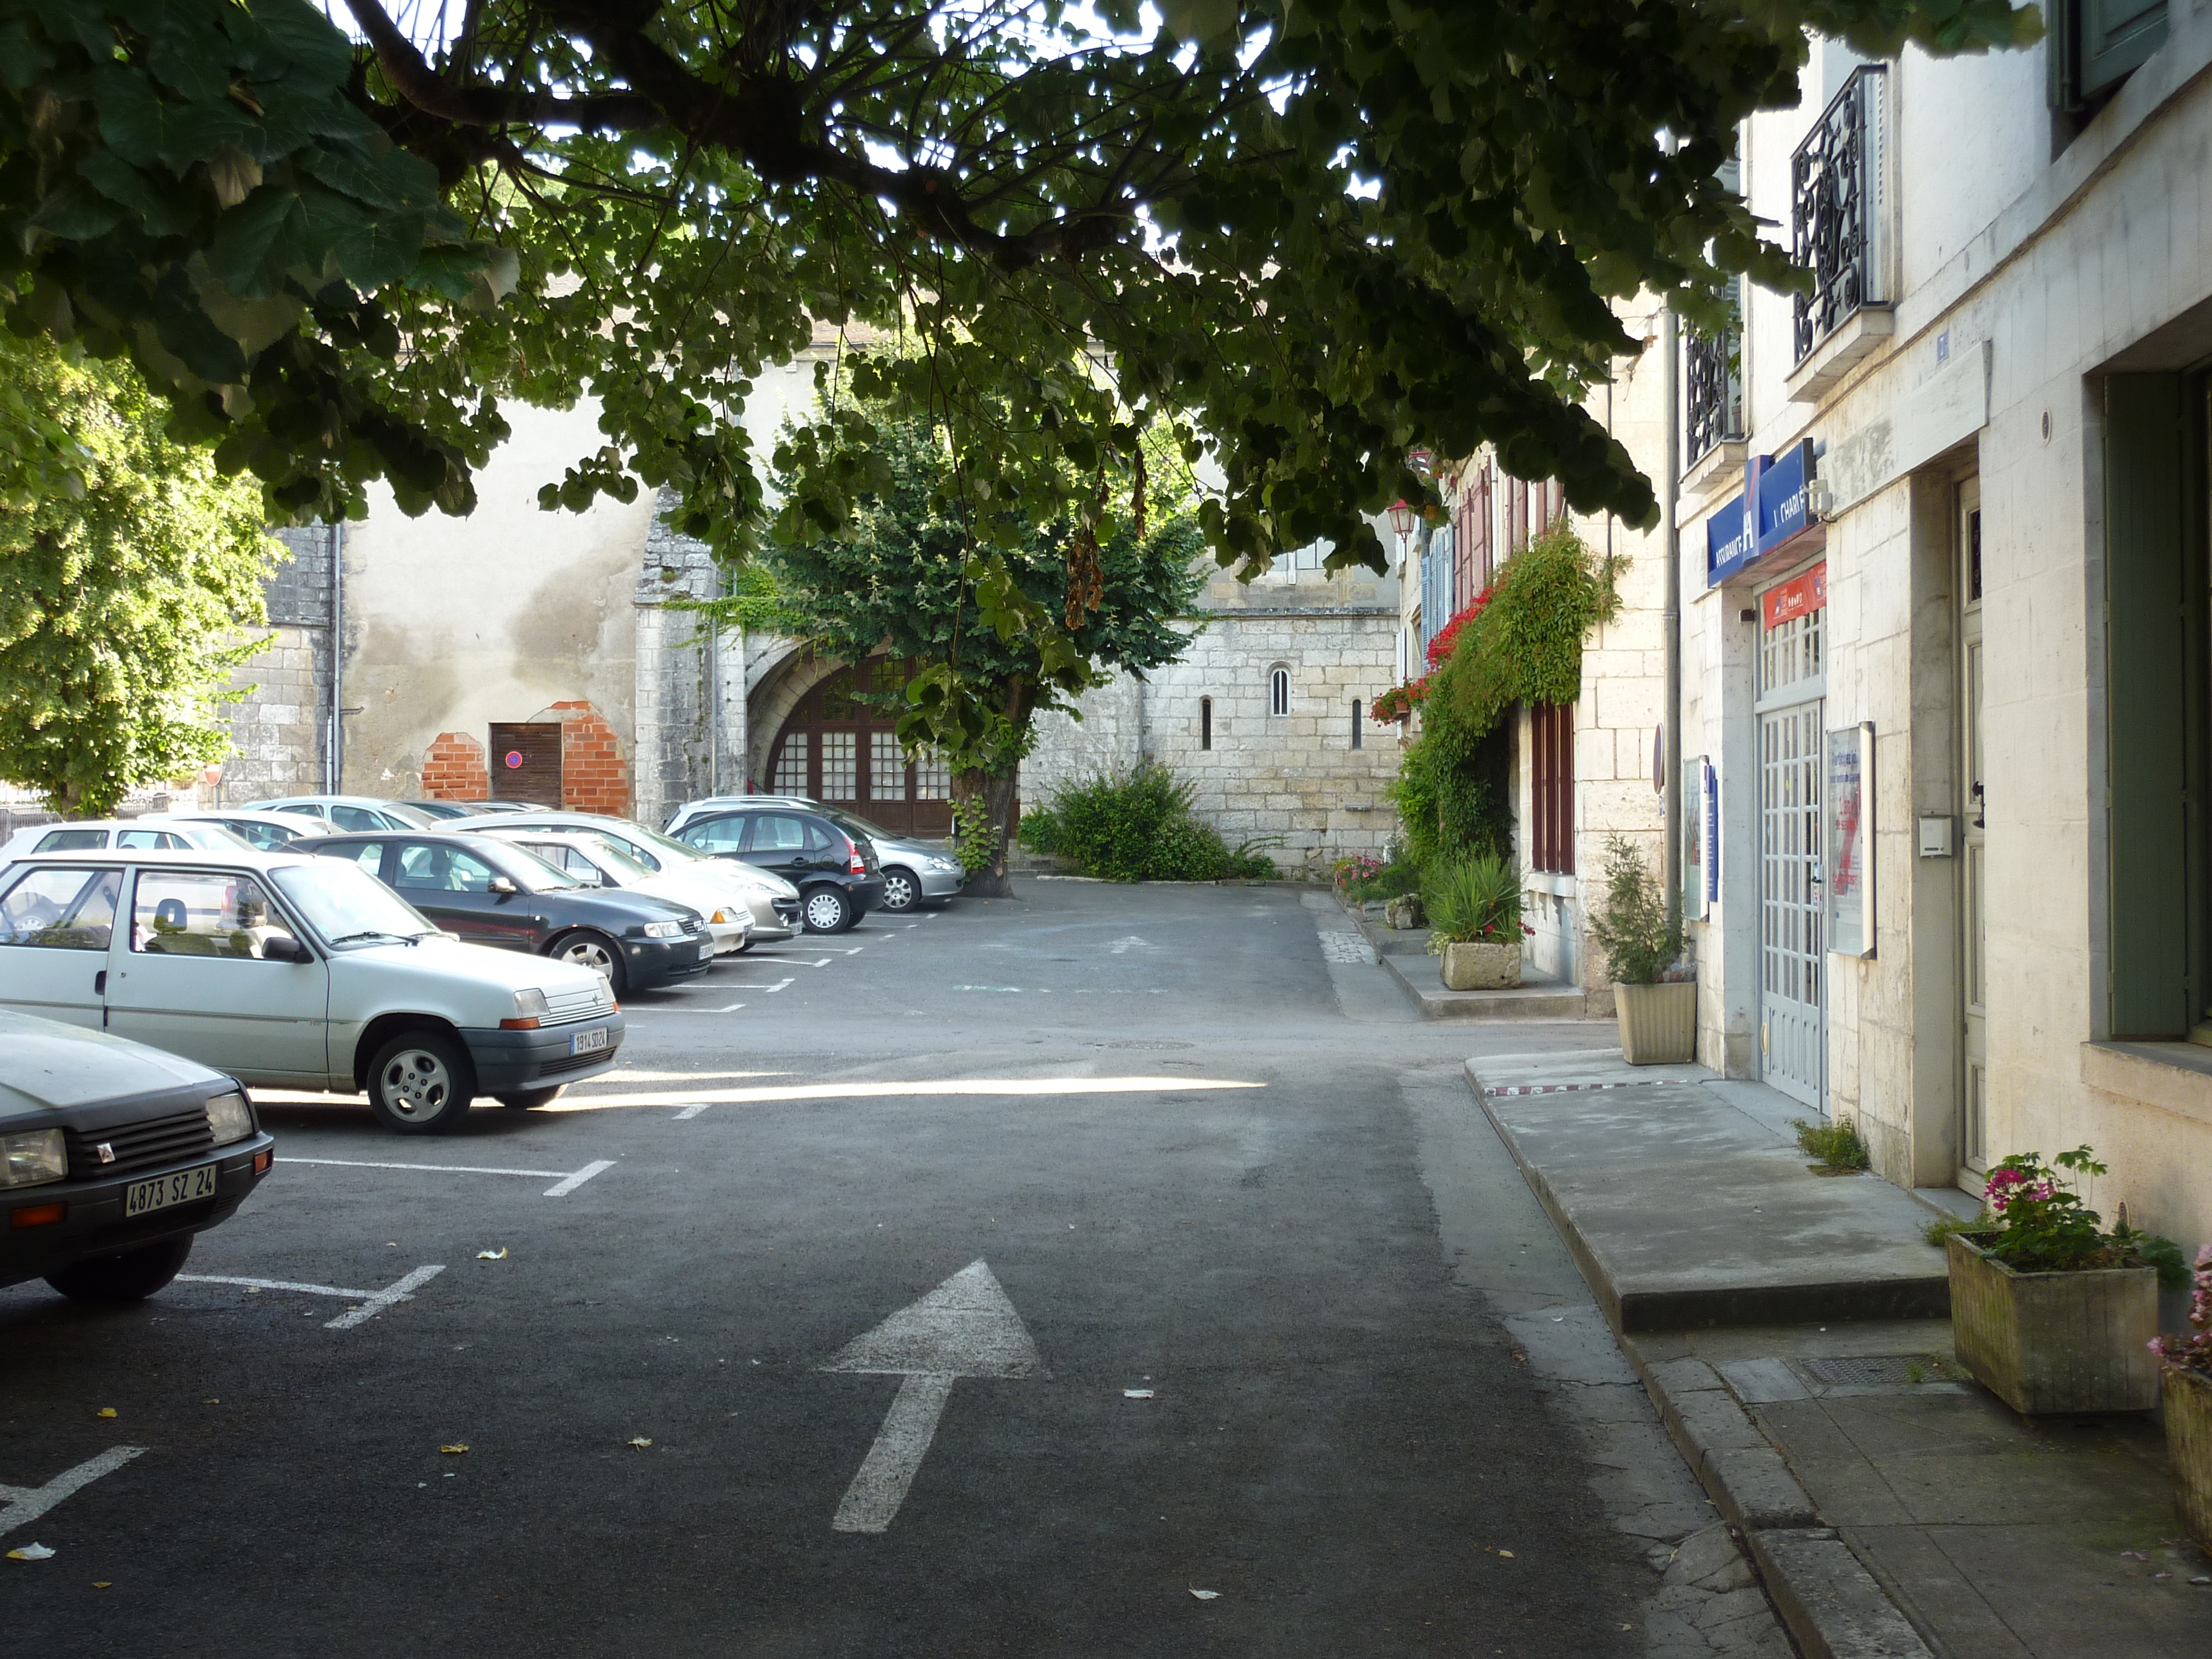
column 290, row 971
column 347, row 813
column 265, row 832
column 112, row 1156
column 835, row 870
column 774, row 901
column 101, row 833
column 442, row 810
column 489, row 893
column 598, row 862
column 914, row 871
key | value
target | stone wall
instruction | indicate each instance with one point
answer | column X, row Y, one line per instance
column 280, row 730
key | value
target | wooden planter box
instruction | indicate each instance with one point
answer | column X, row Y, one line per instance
column 1658, row 1023
column 2049, row 1344
column 2189, row 1447
column 1481, row 967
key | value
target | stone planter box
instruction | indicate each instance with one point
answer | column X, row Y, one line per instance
column 1658, row 1023
column 1481, row 967
column 2189, row 1447
column 2051, row 1344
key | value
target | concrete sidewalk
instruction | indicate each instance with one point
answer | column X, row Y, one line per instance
column 1789, row 1329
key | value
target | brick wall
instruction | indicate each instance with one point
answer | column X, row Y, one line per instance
column 455, row 768
column 594, row 776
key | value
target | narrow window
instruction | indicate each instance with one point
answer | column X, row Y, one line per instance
column 1279, row 691
column 1355, row 723
column 1205, row 722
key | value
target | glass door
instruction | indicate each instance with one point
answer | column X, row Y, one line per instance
column 1793, row 1025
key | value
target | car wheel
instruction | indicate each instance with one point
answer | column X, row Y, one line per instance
column 421, row 1083
column 595, row 952
column 523, row 1099
column 902, row 890
column 827, row 910
column 131, row 1276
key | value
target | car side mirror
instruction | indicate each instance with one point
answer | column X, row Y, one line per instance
column 282, row 947
column 502, row 885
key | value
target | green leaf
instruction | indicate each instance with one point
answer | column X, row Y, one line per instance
column 77, row 212
column 255, row 241
column 164, row 208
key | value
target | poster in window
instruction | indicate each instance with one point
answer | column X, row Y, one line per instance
column 1849, row 852
column 1693, row 839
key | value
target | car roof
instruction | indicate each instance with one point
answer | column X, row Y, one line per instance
column 217, row 814
column 182, row 858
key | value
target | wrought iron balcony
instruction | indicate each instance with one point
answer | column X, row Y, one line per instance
column 1713, row 379
column 1835, row 219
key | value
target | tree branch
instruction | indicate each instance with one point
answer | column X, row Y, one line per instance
column 411, row 76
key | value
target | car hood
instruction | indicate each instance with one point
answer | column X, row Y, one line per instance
column 694, row 893
column 480, row 964
column 886, row 845
column 57, row 1067
column 619, row 908
column 735, row 872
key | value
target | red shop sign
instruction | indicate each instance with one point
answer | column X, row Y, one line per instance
column 1798, row 597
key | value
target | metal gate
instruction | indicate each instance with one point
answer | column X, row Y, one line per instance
column 1793, row 1025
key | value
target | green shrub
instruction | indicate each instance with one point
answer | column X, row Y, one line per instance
column 1837, row 1146
column 1640, row 940
column 1472, row 900
column 1137, row 825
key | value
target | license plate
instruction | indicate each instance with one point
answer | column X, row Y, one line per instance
column 706, row 951
column 143, row 1197
column 587, row 1043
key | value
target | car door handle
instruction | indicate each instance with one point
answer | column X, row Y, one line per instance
column 99, row 983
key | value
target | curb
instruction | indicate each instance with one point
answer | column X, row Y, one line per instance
column 1834, row 1606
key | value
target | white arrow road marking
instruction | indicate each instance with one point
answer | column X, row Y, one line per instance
column 693, row 1110
column 964, row 1327
column 1132, row 943
column 20, row 1505
column 373, row 1302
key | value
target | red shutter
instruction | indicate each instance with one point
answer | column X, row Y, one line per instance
column 1552, row 738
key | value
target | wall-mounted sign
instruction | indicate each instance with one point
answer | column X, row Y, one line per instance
column 1698, row 842
column 1798, row 597
column 1774, row 510
column 513, row 759
column 1850, row 840
column 1781, row 485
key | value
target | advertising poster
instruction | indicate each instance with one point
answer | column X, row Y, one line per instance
column 1849, row 861
column 1693, row 839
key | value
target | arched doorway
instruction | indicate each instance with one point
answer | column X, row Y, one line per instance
column 840, row 746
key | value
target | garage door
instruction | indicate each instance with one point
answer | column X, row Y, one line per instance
column 525, row 761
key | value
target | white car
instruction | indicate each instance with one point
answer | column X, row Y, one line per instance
column 594, row 859
column 264, row 832
column 774, row 901
column 291, row 971
column 152, row 831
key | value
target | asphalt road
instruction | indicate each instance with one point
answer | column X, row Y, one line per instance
column 1179, row 1137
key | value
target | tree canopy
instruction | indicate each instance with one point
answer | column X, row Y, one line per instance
column 121, row 594
column 1310, row 235
column 989, row 642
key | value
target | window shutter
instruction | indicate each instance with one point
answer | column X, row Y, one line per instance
column 2147, row 626
column 2117, row 36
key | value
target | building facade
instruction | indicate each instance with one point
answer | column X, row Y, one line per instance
column 1944, row 609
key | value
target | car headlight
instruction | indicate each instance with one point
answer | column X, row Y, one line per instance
column 230, row 1117
column 941, row 863
column 663, row 930
column 30, row 1156
column 530, row 1004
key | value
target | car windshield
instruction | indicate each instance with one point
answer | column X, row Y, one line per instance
column 347, row 905
column 526, row 866
column 854, row 824
column 611, row 855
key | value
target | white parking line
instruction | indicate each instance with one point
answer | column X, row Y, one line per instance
column 856, row 949
column 373, row 1302
column 565, row 1182
column 728, row 1008
column 693, row 1110
column 20, row 1505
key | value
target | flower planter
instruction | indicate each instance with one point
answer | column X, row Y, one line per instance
column 2051, row 1344
column 1481, row 967
column 2189, row 1447
column 1658, row 1023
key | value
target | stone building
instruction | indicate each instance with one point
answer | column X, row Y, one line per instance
column 1944, row 598
column 548, row 656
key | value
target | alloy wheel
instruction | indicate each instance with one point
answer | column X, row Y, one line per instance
column 416, row 1086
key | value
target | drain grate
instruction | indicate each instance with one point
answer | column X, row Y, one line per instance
column 1876, row 1370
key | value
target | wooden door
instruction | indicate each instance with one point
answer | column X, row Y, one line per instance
column 525, row 761
column 840, row 745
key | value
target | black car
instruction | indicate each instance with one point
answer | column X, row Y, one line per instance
column 112, row 1155
column 836, row 874
column 491, row 893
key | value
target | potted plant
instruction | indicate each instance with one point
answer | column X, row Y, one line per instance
column 2185, row 1376
column 1473, row 907
column 1643, row 945
column 2050, row 1311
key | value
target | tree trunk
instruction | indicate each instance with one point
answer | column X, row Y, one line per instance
column 997, row 792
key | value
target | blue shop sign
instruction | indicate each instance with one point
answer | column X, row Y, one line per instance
column 1774, row 509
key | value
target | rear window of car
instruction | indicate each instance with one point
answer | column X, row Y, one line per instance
column 161, row 838
column 70, row 841
column 264, row 836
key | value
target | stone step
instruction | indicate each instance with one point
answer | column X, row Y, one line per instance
column 1422, row 981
